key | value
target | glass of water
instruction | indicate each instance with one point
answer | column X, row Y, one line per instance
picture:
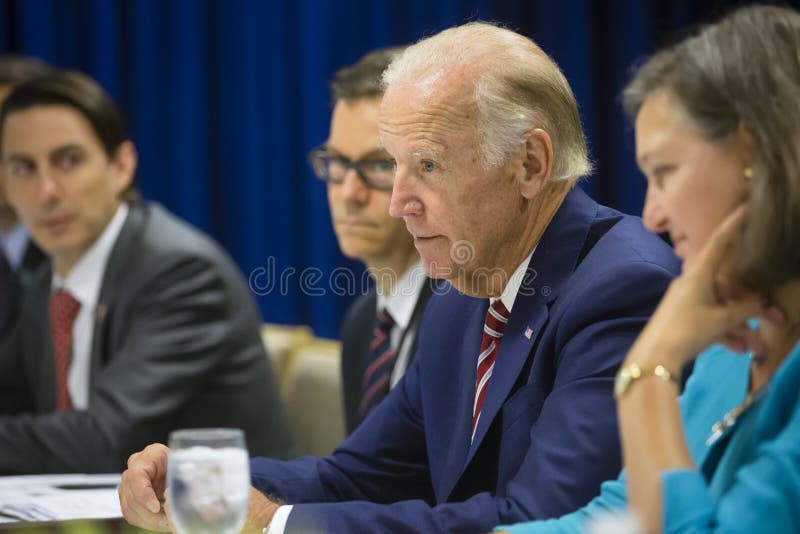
column 208, row 480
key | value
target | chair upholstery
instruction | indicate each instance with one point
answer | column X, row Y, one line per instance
column 281, row 342
column 312, row 390
column 309, row 375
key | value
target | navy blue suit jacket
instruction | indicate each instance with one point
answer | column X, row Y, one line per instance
column 547, row 435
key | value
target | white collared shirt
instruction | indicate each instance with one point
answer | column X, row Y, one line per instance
column 14, row 244
column 400, row 304
column 514, row 282
column 83, row 283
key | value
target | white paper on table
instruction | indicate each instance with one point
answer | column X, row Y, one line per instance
column 43, row 497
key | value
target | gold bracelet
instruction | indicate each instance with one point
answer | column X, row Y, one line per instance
column 631, row 372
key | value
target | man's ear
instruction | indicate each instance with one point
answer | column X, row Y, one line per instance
column 537, row 164
column 124, row 164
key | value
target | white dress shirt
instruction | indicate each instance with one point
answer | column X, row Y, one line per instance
column 404, row 306
column 512, row 286
column 83, row 283
column 400, row 304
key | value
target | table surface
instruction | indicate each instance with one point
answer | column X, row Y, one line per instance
column 78, row 526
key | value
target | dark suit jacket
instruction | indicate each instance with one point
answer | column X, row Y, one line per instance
column 356, row 336
column 22, row 279
column 33, row 259
column 547, row 435
column 176, row 344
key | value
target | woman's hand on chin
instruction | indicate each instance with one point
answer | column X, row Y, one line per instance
column 702, row 306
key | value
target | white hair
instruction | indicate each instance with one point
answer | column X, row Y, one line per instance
column 517, row 88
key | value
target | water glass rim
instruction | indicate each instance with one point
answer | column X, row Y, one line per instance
column 206, row 433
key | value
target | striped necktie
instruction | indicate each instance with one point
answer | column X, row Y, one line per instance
column 63, row 310
column 493, row 327
column 375, row 383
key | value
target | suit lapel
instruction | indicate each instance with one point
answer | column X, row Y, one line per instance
column 33, row 258
column 41, row 344
column 462, row 418
column 528, row 317
column 555, row 258
column 407, row 345
column 124, row 247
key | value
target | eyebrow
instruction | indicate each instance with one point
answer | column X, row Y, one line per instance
column 66, row 148
column 427, row 152
column 56, row 152
column 18, row 157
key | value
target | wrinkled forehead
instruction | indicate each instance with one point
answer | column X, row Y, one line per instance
column 441, row 111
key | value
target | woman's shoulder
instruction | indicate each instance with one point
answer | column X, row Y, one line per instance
column 784, row 395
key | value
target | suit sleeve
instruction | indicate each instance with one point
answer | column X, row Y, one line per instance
column 383, row 460
column 176, row 332
column 376, row 469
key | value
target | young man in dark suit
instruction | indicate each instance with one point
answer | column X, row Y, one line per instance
column 379, row 332
column 141, row 325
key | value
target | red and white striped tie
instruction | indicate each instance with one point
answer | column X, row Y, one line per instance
column 496, row 319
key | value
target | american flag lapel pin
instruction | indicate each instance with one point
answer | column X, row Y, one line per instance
column 528, row 332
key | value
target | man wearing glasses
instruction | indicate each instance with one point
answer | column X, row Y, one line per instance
column 379, row 331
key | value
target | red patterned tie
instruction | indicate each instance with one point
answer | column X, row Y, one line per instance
column 496, row 319
column 63, row 310
column 375, row 382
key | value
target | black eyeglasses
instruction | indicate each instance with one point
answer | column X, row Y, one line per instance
column 375, row 172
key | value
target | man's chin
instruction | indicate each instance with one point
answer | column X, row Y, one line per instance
column 435, row 268
column 357, row 249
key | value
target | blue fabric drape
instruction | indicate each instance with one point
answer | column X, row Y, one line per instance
column 225, row 98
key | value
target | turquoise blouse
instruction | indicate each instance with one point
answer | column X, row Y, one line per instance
column 749, row 480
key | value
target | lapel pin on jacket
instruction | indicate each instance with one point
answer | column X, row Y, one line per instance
column 100, row 312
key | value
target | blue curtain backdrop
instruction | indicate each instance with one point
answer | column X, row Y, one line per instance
column 224, row 98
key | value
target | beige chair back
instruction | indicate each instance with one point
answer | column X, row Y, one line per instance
column 309, row 375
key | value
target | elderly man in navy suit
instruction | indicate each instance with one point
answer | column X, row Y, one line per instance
column 506, row 412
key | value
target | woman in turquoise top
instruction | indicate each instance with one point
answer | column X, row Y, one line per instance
column 718, row 137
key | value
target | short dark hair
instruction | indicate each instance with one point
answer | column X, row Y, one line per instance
column 744, row 70
column 362, row 79
column 77, row 91
column 16, row 69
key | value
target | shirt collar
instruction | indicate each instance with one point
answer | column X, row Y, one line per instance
column 84, row 281
column 402, row 300
column 14, row 244
column 512, row 286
